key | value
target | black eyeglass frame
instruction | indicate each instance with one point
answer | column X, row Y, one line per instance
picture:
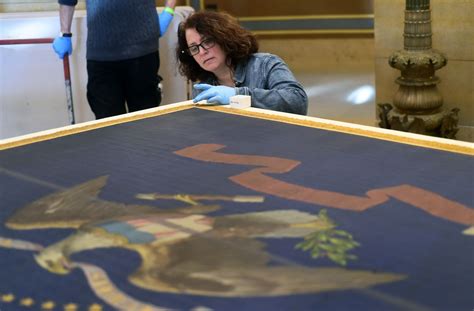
column 208, row 41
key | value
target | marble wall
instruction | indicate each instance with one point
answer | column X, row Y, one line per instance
column 310, row 53
column 453, row 35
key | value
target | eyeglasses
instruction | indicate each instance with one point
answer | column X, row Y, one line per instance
column 206, row 44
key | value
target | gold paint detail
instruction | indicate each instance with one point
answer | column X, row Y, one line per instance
column 95, row 307
column 469, row 231
column 360, row 131
column 48, row 305
column 27, row 302
column 8, row 298
column 71, row 307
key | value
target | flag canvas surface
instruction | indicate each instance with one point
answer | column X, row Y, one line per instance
column 202, row 209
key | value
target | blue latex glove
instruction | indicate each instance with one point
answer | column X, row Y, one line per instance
column 214, row 94
column 62, row 46
column 164, row 20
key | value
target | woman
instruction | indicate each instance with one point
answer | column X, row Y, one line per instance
column 216, row 51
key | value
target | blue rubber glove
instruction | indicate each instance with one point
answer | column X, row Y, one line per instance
column 164, row 20
column 62, row 46
column 214, row 94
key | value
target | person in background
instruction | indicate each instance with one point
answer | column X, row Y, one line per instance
column 223, row 57
column 122, row 52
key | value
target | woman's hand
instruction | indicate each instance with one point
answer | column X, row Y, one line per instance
column 214, row 94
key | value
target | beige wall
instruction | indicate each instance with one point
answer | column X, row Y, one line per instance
column 310, row 53
column 330, row 68
column 291, row 8
column 453, row 35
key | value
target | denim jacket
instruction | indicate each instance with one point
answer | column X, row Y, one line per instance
column 270, row 83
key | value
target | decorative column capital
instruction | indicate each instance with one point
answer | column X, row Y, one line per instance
column 404, row 60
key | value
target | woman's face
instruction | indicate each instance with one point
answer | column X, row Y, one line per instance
column 213, row 59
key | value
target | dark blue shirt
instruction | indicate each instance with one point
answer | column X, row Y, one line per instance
column 120, row 29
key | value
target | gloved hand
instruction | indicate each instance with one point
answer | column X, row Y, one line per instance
column 164, row 20
column 62, row 46
column 214, row 94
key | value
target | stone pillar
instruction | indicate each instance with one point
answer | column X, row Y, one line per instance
column 418, row 103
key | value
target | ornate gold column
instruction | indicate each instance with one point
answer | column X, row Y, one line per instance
column 417, row 102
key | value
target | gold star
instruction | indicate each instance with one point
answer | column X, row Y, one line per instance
column 48, row 305
column 8, row 298
column 95, row 307
column 27, row 302
column 70, row 307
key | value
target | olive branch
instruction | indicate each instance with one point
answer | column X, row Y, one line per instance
column 330, row 242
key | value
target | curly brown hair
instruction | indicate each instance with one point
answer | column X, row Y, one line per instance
column 236, row 42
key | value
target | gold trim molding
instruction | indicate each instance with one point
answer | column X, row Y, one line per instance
column 337, row 126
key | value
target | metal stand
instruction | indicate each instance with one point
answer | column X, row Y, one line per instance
column 67, row 74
